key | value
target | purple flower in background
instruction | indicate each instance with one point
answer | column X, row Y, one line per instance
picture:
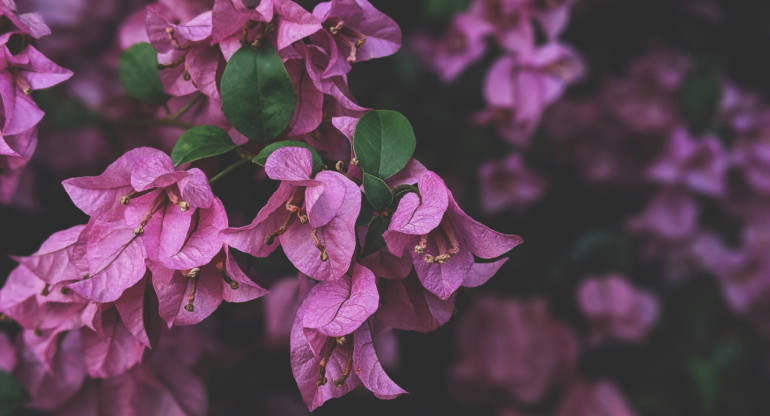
column 441, row 238
column 594, row 399
column 616, row 310
column 699, row 164
column 508, row 183
column 513, row 347
column 671, row 215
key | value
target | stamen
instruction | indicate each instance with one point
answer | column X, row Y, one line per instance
column 448, row 233
column 326, row 353
column 340, row 167
column 38, row 332
column 318, row 244
column 126, row 199
column 66, row 291
column 193, row 275
column 350, row 36
column 420, row 247
column 270, row 238
column 173, row 64
column 219, row 264
column 302, row 216
column 146, row 218
column 172, row 38
column 348, row 367
column 186, row 76
column 46, row 290
column 176, row 199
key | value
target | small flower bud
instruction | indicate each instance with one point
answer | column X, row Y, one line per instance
column 321, row 381
column 125, row 200
column 46, row 290
column 66, row 291
column 189, row 307
column 269, row 239
column 324, row 255
column 139, row 230
column 38, row 332
column 339, row 382
column 184, row 206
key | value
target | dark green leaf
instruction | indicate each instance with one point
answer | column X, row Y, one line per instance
column 258, row 96
column 373, row 240
column 261, row 157
column 377, row 192
column 139, row 75
column 12, row 394
column 700, row 96
column 384, row 142
column 201, row 142
column 365, row 215
column 705, row 375
column 444, row 9
column 603, row 250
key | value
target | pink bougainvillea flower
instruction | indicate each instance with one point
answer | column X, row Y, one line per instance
column 616, row 310
column 239, row 22
column 671, row 215
column 553, row 16
column 357, row 32
column 515, row 347
column 508, row 183
column 173, row 214
column 753, row 159
column 462, row 45
column 21, row 74
column 518, row 89
column 28, row 23
column 313, row 219
column 8, row 357
column 406, row 305
column 441, row 238
column 56, row 260
column 330, row 367
column 15, row 152
column 594, row 399
column 50, row 387
column 186, row 297
column 187, row 60
column 338, row 307
column 112, row 349
column 699, row 164
column 280, row 308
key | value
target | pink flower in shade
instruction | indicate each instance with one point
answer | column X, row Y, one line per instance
column 186, row 297
column 406, row 305
column 462, row 45
column 8, row 357
column 356, row 31
column 518, row 89
column 313, row 218
column 508, row 183
column 280, row 309
column 330, row 367
column 187, row 60
column 671, row 215
column 15, row 152
column 616, row 310
column 511, row 22
column 753, row 159
column 553, row 16
column 441, row 238
column 594, row 399
column 238, row 22
column 28, row 23
column 699, row 164
column 514, row 347
column 110, row 349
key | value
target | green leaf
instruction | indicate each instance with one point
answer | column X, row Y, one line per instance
column 201, row 142
column 700, row 96
column 12, row 394
column 138, row 70
column 705, row 375
column 258, row 96
column 373, row 240
column 384, row 142
column 444, row 9
column 377, row 192
column 261, row 157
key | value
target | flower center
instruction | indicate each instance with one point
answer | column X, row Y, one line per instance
column 446, row 242
column 349, row 36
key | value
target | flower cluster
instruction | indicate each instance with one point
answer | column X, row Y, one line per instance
column 378, row 239
column 23, row 70
column 530, row 75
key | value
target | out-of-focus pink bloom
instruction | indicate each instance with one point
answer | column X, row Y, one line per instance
column 753, row 159
column 441, row 238
column 508, row 183
column 616, row 310
column 699, row 164
column 671, row 215
column 518, row 89
column 29, row 23
column 514, row 347
column 462, row 45
column 594, row 399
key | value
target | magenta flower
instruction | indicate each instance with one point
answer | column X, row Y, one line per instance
column 407, row 305
column 330, row 367
column 462, row 45
column 355, row 31
column 21, row 74
column 238, row 22
column 752, row 158
column 671, row 215
column 111, row 349
column 616, row 310
column 28, row 23
column 514, row 347
column 508, row 183
column 186, row 297
column 518, row 89
column 699, row 164
column 441, row 238
column 313, row 219
column 187, row 60
column 594, row 399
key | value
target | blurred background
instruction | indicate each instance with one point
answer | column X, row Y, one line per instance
column 642, row 194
